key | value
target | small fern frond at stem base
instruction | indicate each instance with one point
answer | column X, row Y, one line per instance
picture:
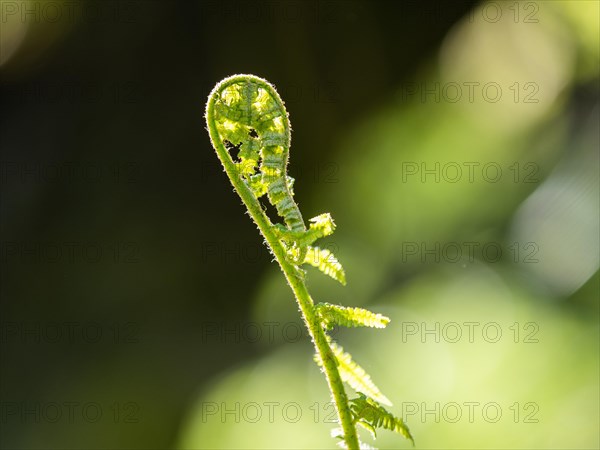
column 326, row 262
column 332, row 315
column 371, row 415
column 354, row 375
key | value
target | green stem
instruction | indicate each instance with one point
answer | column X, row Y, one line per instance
column 297, row 285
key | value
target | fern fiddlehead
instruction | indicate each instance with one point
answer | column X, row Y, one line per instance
column 245, row 115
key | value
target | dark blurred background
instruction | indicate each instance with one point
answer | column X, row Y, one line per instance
column 455, row 144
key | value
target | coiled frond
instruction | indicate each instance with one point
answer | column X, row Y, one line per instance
column 249, row 129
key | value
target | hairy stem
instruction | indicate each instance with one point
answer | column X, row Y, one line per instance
column 297, row 285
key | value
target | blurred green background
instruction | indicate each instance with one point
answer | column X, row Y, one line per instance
column 455, row 144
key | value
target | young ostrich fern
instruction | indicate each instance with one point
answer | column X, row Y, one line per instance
column 245, row 114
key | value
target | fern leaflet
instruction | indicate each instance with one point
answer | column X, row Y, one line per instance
column 323, row 259
column 370, row 415
column 354, row 375
column 332, row 315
